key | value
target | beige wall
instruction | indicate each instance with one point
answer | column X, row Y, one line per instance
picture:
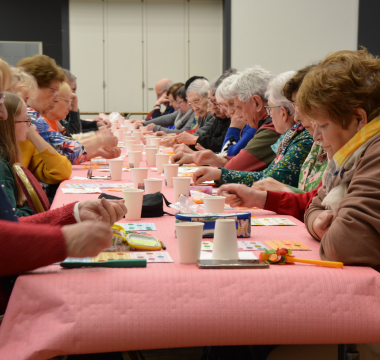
column 284, row 35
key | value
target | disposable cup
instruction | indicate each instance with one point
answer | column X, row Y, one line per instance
column 170, row 170
column 161, row 159
column 138, row 147
column 181, row 186
column 113, row 126
column 131, row 126
column 189, row 241
column 133, row 202
column 128, row 144
column 225, row 242
column 142, row 128
column 138, row 175
column 150, row 154
column 119, row 134
column 124, row 128
column 116, row 168
column 120, row 120
column 214, row 204
column 152, row 185
column 126, row 122
column 148, row 138
column 155, row 140
column 134, row 158
column 137, row 135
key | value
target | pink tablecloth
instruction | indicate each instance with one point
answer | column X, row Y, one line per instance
column 175, row 305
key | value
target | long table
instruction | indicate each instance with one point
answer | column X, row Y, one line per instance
column 168, row 305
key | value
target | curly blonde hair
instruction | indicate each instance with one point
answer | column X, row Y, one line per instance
column 43, row 68
column 342, row 82
column 5, row 75
column 23, row 83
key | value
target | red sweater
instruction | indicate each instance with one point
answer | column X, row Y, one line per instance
column 286, row 203
column 35, row 241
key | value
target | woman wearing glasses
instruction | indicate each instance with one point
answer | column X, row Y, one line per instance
column 291, row 149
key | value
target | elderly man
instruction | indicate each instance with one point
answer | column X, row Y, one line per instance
column 73, row 123
column 197, row 94
column 161, row 88
column 248, row 91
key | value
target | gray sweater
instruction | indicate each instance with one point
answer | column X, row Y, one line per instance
column 204, row 124
column 182, row 122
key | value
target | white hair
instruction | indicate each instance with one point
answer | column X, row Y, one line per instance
column 200, row 86
column 252, row 81
column 274, row 91
column 223, row 92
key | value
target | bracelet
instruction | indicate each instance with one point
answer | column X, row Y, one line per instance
column 157, row 105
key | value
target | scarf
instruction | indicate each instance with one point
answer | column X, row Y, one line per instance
column 341, row 167
column 288, row 137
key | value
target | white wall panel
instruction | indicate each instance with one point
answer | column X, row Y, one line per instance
column 288, row 35
column 86, row 52
column 206, row 38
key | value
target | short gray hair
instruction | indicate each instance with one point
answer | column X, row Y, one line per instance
column 69, row 75
column 252, row 81
column 274, row 91
column 200, row 86
column 221, row 78
column 223, row 92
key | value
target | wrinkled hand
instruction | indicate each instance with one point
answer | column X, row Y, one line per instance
column 208, row 157
column 160, row 133
column 237, row 122
column 108, row 211
column 323, row 222
column 167, row 141
column 181, row 158
column 243, row 196
column 270, row 184
column 206, row 174
column 199, row 147
column 108, row 153
column 150, row 127
column 182, row 148
column 61, row 129
column 163, row 99
column 88, row 238
column 107, row 123
column 106, row 138
column 186, row 138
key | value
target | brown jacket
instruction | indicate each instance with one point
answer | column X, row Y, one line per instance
column 354, row 235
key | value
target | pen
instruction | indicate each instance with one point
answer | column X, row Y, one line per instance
column 163, row 245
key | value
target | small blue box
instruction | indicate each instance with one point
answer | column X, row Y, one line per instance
column 243, row 222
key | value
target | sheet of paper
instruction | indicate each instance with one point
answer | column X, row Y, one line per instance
column 242, row 255
column 153, row 256
column 100, row 185
column 271, row 221
column 242, row 245
column 138, row 226
column 86, row 178
column 287, row 244
column 81, row 191
column 107, row 169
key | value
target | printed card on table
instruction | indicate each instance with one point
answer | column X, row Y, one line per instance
column 271, row 221
column 287, row 244
column 100, row 185
column 153, row 257
column 138, row 226
column 207, row 245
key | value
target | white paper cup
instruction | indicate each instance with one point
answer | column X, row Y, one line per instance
column 170, row 170
column 189, row 241
column 155, row 140
column 161, row 159
column 138, row 147
column 225, row 241
column 134, row 158
column 120, row 120
column 126, row 122
column 139, row 175
column 150, row 154
column 128, row 144
column 116, row 168
column 133, row 201
column 181, row 186
column 142, row 128
column 113, row 126
column 131, row 126
column 152, row 185
column 119, row 134
column 214, row 204
column 148, row 138
column 137, row 135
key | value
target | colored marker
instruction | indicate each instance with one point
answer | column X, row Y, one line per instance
column 163, row 245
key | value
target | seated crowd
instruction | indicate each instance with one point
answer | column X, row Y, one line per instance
column 302, row 143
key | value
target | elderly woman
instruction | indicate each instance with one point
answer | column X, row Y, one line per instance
column 37, row 155
column 291, row 149
column 197, row 94
column 49, row 77
column 182, row 119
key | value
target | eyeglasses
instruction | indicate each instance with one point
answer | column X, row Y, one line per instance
column 2, row 98
column 212, row 103
column 180, row 102
column 28, row 120
column 67, row 101
column 196, row 102
column 268, row 109
column 55, row 92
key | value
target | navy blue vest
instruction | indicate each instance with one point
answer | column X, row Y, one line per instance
column 7, row 212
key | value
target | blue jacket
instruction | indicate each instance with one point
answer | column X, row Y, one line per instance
column 236, row 139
